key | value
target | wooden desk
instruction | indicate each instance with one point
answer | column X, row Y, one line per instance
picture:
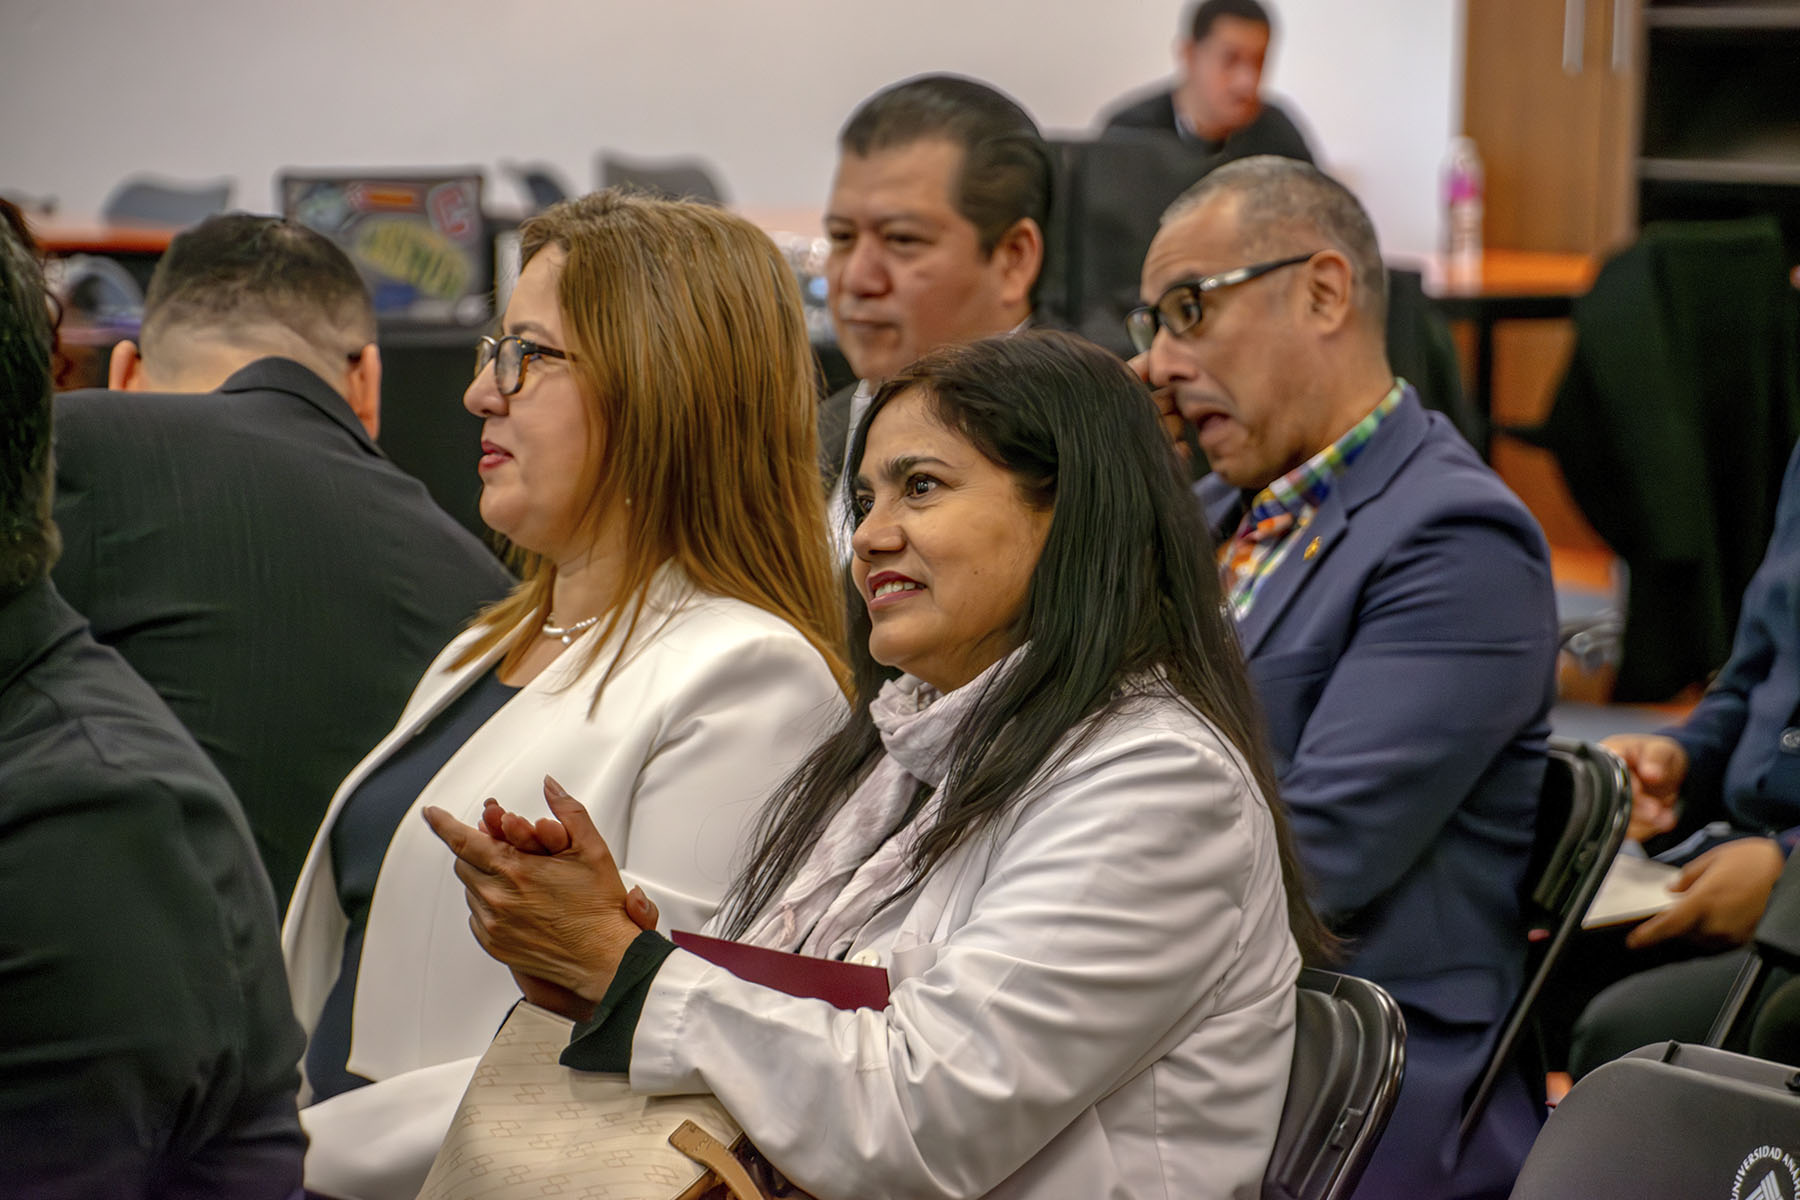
column 134, row 247
column 57, row 237
column 85, row 347
column 1512, row 285
column 1512, row 275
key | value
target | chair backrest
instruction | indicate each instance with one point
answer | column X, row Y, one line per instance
column 1775, row 1033
column 1583, row 809
column 1778, row 932
column 540, row 182
column 1113, row 191
column 1671, row 1121
column 141, row 200
column 672, row 178
column 1349, row 1056
column 1422, row 351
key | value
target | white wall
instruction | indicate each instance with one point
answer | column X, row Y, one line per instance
column 97, row 89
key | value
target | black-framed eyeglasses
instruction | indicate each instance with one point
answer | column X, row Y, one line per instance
column 1180, row 309
column 508, row 354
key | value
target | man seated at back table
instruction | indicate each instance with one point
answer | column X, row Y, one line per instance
column 936, row 223
column 1394, row 604
column 1216, row 101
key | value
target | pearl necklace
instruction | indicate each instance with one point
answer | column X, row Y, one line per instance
column 551, row 629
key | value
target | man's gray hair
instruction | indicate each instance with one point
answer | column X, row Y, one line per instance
column 1283, row 201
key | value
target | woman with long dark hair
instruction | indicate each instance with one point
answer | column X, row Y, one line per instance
column 1054, row 830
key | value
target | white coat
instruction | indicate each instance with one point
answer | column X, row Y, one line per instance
column 713, row 706
column 1095, row 1001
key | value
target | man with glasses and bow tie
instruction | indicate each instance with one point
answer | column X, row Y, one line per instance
column 231, row 527
column 1394, row 603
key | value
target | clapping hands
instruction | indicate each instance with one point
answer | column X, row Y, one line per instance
column 546, row 899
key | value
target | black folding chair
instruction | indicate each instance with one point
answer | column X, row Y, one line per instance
column 673, row 178
column 1421, row 351
column 1112, row 192
column 1671, row 1122
column 540, row 182
column 1583, row 809
column 1349, row 1056
column 143, row 200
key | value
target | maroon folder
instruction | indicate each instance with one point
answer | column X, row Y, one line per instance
column 846, row 985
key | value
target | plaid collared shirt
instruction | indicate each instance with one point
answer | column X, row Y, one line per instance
column 1286, row 507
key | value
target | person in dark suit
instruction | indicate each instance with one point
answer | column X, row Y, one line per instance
column 148, row 1047
column 1394, row 603
column 1730, row 775
column 238, row 535
column 1216, row 100
column 936, row 223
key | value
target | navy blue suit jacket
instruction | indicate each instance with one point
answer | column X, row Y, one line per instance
column 1404, row 654
column 1743, row 738
column 266, row 568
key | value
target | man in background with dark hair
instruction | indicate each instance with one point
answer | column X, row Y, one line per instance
column 240, row 538
column 1394, row 604
column 148, row 1048
column 1216, row 100
column 936, row 223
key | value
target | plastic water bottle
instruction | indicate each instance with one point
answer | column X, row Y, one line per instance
column 1462, row 205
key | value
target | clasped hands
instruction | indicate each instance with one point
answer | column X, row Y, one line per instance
column 546, row 899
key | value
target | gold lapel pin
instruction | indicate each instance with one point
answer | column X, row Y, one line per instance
column 1312, row 548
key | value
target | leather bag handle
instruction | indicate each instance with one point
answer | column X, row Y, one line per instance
column 716, row 1157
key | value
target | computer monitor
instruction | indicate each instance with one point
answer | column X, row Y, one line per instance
column 420, row 240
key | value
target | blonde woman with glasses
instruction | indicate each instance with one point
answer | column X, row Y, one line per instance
column 648, row 449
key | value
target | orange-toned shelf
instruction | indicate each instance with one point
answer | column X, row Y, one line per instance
column 96, row 238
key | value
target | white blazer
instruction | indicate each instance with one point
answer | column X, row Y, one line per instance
column 716, row 702
column 1095, row 1001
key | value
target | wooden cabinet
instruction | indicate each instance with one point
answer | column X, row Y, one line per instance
column 1594, row 115
column 1551, row 95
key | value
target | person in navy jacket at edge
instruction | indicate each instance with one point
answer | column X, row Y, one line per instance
column 1731, row 773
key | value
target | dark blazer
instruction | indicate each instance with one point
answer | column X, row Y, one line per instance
column 834, row 429
column 268, row 571
column 1743, row 738
column 148, row 1047
column 1271, row 132
column 834, row 415
column 1404, row 657
column 1673, row 425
